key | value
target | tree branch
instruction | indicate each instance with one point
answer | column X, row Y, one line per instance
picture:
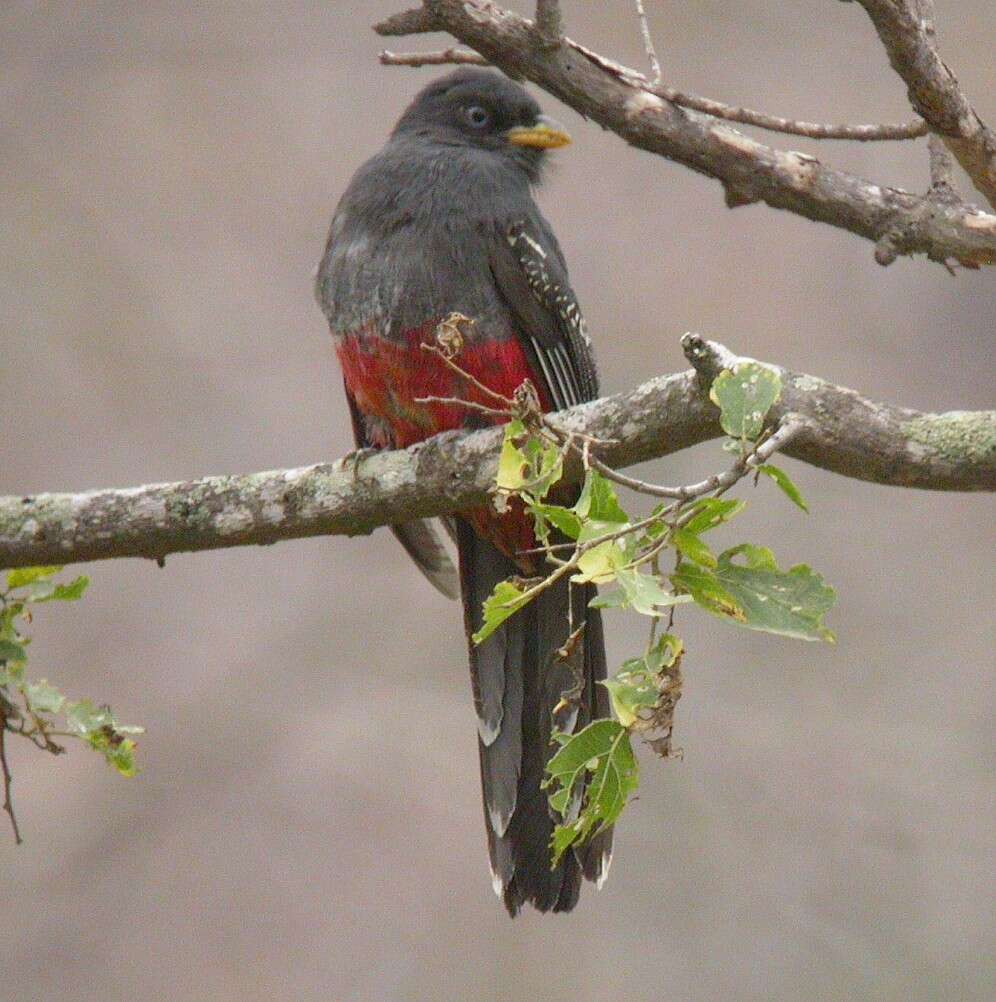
column 907, row 31
column 549, row 21
column 862, row 133
column 835, row 428
column 621, row 99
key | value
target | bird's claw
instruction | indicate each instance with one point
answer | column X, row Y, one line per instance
column 354, row 458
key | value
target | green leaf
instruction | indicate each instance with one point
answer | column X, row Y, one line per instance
column 533, row 466
column 664, row 653
column 631, row 693
column 602, row 749
column 562, row 519
column 12, row 673
column 783, row 480
column 21, row 576
column 640, row 592
column 791, row 603
column 690, row 546
column 600, row 563
column 744, row 397
column 512, row 462
column 710, row 512
column 11, row 651
column 122, row 757
column 598, row 502
column 757, row 594
column 706, row 590
column 43, row 698
column 49, row 591
column 504, row 601
column 83, row 718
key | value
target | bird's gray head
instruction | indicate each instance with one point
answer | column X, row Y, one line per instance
column 484, row 110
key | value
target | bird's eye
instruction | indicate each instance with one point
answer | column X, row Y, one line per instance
column 477, row 116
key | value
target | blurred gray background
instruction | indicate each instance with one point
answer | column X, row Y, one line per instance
column 307, row 823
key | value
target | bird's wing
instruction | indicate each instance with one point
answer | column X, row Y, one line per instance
column 531, row 275
column 419, row 537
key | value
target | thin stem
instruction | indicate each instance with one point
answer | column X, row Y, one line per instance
column 460, row 402
column 476, row 383
column 8, row 779
column 863, row 133
column 648, row 44
column 444, row 57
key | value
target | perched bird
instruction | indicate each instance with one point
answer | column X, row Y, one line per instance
column 442, row 220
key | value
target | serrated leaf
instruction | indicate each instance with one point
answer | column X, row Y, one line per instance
column 602, row 749
column 790, row 603
column 598, row 502
column 783, row 480
column 504, row 601
column 11, row 651
column 21, row 576
column 711, row 512
column 690, row 546
column 744, row 397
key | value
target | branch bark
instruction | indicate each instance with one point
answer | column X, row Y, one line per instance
column 621, row 99
column 906, row 28
column 841, row 432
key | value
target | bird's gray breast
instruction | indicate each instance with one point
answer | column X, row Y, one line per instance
column 403, row 250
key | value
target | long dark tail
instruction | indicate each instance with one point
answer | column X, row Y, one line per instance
column 518, row 681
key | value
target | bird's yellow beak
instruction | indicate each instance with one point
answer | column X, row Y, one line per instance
column 546, row 134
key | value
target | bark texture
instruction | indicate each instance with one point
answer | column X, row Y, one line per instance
column 842, row 432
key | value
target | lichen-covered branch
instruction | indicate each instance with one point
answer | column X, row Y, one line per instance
column 906, row 28
column 622, row 99
column 840, row 431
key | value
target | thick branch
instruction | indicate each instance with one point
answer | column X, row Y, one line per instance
column 618, row 98
column 840, row 431
column 906, row 30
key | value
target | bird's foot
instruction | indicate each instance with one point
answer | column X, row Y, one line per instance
column 353, row 459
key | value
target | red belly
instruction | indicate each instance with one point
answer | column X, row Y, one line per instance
column 385, row 378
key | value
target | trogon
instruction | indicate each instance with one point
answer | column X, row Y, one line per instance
column 440, row 221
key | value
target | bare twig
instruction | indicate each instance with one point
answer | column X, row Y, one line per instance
column 456, row 57
column 8, row 779
column 879, row 132
column 549, row 21
column 776, row 123
column 790, row 428
column 907, row 32
column 941, row 168
column 648, row 44
column 617, row 97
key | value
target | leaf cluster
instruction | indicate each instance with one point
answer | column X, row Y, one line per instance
column 594, row 772
column 35, row 708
